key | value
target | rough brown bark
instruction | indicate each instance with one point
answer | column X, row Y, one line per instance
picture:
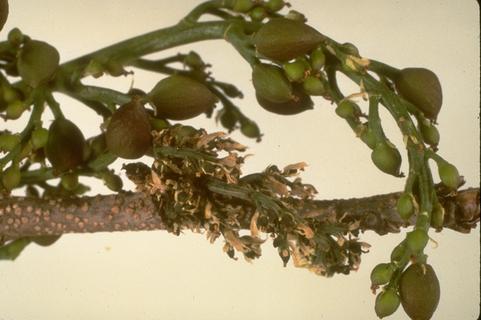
column 20, row 217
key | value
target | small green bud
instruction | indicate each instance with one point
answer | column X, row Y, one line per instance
column 15, row 37
column 258, row 14
column 15, row 110
column 387, row 158
column 243, row 5
column 228, row 119
column 437, row 216
column 275, row 5
column 430, row 133
column 250, row 129
column 449, row 175
column 158, row 124
column 8, row 141
column 69, row 181
column 405, row 206
column 296, row 70
column 39, row 138
column 351, row 49
column 417, row 240
column 193, row 60
column 113, row 181
column 314, row 86
column 398, row 252
column 387, row 302
column 11, row 177
column 382, row 273
column 347, row 109
column 318, row 59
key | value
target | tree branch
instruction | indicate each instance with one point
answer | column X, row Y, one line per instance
column 22, row 217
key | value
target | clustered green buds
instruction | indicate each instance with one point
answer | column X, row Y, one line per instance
column 65, row 146
column 429, row 132
column 37, row 62
column 420, row 291
column 128, row 132
column 422, row 88
column 179, row 98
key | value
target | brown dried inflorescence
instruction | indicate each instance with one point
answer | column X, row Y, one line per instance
column 197, row 185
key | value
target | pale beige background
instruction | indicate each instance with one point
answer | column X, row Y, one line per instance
column 154, row 275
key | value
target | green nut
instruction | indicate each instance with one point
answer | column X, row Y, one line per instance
column 37, row 62
column 65, row 146
column 11, row 177
column 387, row 158
column 301, row 103
column 314, row 86
column 382, row 274
column 417, row 240
column 180, row 98
column 449, row 175
column 128, row 133
column 39, row 138
column 422, row 88
column 420, row 291
column 405, row 206
column 271, row 84
column 387, row 302
column 283, row 39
